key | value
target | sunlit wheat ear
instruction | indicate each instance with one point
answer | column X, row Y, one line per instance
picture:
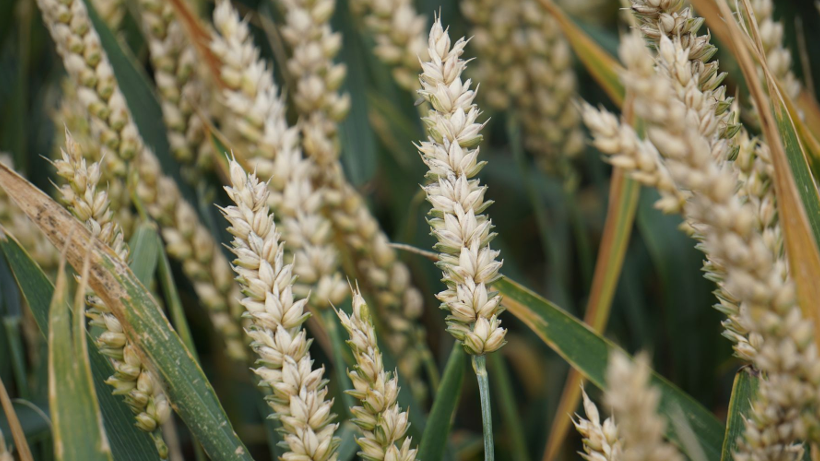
column 634, row 404
column 299, row 396
column 186, row 239
column 382, row 421
column 183, row 92
column 457, row 218
column 601, row 441
column 400, row 35
column 755, row 290
column 141, row 389
column 272, row 148
column 525, row 64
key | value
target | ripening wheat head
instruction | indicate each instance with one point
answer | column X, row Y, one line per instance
column 141, row 389
column 382, row 421
column 299, row 396
column 457, row 220
column 768, row 324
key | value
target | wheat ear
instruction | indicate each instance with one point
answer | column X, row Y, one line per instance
column 382, row 421
column 299, row 394
column 141, row 389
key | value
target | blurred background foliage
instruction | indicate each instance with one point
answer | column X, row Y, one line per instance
column 662, row 302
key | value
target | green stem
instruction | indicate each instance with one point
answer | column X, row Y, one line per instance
column 480, row 368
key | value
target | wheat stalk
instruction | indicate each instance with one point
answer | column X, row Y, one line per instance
column 299, row 392
column 380, row 418
column 457, row 221
column 186, row 238
column 258, row 118
column 141, row 389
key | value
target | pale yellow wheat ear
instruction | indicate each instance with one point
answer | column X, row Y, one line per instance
column 299, row 396
column 525, row 65
column 469, row 265
column 141, row 388
column 399, row 32
column 381, row 420
column 457, row 218
column 272, row 148
column 186, row 239
column 737, row 226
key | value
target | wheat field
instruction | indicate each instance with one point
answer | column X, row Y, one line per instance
column 400, row 230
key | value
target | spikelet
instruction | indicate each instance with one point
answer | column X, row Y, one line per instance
column 141, row 389
column 601, row 441
column 380, row 418
column 768, row 324
column 635, row 405
column 525, row 64
column 187, row 240
column 313, row 46
column 638, row 157
column 181, row 90
column 258, row 117
column 299, row 394
column 399, row 34
column 468, row 263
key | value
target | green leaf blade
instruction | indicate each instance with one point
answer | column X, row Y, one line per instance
column 588, row 352
column 75, row 410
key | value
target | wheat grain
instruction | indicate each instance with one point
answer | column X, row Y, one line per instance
column 141, row 389
column 468, row 263
column 186, row 238
column 182, row 91
column 299, row 392
column 258, row 117
column 399, row 31
column 380, row 418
